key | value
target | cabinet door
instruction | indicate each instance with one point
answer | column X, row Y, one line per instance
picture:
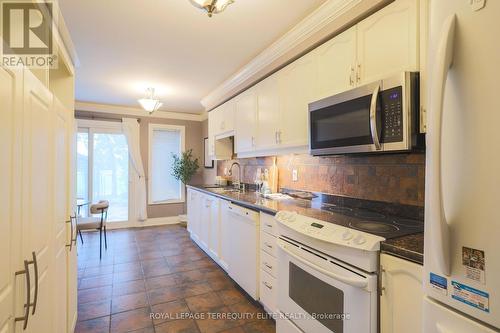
column 225, row 235
column 214, row 233
column 72, row 256
column 227, row 116
column 298, row 88
column 336, row 64
column 268, row 108
column 62, row 230
column 402, row 295
column 211, row 133
column 205, row 220
column 10, row 163
column 37, row 197
column 194, row 214
column 246, row 121
column 388, row 41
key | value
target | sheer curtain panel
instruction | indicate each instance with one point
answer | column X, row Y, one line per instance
column 132, row 131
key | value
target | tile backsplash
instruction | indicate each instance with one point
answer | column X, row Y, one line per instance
column 396, row 178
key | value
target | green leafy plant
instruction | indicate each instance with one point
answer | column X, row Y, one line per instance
column 185, row 166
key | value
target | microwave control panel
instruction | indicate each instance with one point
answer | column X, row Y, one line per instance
column 392, row 114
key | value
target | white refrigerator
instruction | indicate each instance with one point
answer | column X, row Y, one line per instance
column 462, row 208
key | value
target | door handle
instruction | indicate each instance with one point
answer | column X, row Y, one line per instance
column 268, row 266
column 434, row 192
column 35, row 267
column 70, row 245
column 27, row 305
column 359, row 283
column 373, row 118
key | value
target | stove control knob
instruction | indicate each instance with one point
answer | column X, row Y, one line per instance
column 347, row 235
column 360, row 240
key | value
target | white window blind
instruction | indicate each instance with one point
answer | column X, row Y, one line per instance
column 164, row 141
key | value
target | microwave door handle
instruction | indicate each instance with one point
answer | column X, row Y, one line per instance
column 359, row 283
column 440, row 230
column 373, row 118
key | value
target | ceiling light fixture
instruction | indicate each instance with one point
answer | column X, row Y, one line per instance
column 211, row 6
column 150, row 103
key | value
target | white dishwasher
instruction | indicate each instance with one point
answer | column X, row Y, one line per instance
column 243, row 260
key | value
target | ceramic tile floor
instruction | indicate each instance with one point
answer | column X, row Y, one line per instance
column 159, row 271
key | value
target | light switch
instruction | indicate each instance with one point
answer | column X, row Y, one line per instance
column 295, row 175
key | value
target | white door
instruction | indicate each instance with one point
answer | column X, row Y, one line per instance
column 440, row 319
column 214, row 233
column 205, row 220
column 388, row 41
column 194, row 214
column 10, row 260
column 37, row 199
column 298, row 88
column 402, row 295
column 268, row 107
column 228, row 115
column 225, row 234
column 63, row 231
column 246, row 121
column 461, row 252
column 336, row 64
column 103, row 169
column 72, row 271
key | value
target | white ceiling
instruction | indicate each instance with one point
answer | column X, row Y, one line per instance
column 124, row 46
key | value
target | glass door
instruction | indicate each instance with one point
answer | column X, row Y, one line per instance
column 103, row 171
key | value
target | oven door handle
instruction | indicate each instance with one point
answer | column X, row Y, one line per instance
column 373, row 118
column 359, row 283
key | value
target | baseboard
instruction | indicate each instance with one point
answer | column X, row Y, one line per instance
column 148, row 223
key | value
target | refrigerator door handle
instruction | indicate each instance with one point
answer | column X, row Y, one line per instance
column 440, row 232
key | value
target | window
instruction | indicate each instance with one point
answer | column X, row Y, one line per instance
column 164, row 140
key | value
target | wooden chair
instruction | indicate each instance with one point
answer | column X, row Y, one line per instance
column 95, row 222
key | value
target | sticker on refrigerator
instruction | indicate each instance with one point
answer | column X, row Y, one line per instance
column 474, row 264
column 439, row 283
column 470, row 296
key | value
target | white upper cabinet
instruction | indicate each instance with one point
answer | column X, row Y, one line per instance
column 388, row 41
column 221, row 119
column 297, row 88
column 246, row 125
column 337, row 64
column 272, row 117
column 268, row 106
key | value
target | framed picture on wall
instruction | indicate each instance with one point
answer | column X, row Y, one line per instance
column 207, row 161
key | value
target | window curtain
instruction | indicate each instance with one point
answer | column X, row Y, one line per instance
column 132, row 133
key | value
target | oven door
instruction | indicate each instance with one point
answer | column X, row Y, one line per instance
column 349, row 122
column 320, row 294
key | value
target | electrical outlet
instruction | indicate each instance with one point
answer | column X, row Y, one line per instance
column 295, row 175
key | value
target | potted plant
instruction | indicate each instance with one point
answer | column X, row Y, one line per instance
column 183, row 169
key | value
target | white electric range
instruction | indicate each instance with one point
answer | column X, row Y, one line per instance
column 327, row 276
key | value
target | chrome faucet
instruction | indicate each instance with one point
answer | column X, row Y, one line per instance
column 237, row 184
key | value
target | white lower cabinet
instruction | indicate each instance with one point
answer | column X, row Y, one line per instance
column 268, row 263
column 225, row 235
column 229, row 234
column 402, row 296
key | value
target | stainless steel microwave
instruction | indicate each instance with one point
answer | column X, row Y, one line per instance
column 379, row 117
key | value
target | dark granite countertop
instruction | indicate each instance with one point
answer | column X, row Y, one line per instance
column 409, row 247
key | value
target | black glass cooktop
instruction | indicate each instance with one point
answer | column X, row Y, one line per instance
column 377, row 223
